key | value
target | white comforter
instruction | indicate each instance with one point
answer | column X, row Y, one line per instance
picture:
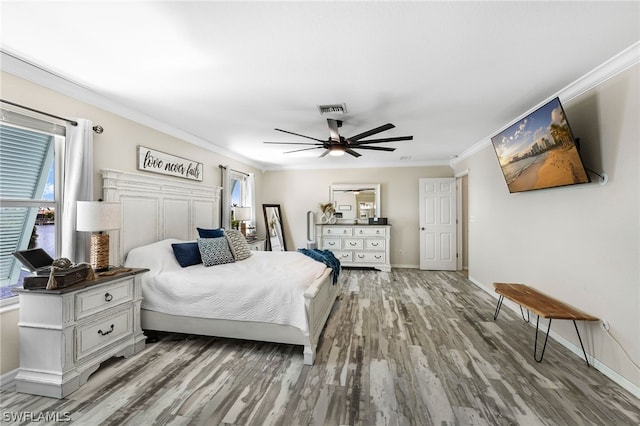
column 267, row 287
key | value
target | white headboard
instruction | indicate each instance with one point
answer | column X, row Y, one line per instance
column 155, row 208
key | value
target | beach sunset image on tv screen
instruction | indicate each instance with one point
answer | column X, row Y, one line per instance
column 539, row 151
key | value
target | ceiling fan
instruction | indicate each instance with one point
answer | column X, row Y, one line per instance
column 338, row 145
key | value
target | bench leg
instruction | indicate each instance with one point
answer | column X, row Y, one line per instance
column 522, row 313
column 581, row 345
column 495, row 314
column 535, row 345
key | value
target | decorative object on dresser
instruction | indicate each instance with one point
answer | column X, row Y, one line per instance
column 97, row 217
column 357, row 245
column 65, row 334
column 273, row 223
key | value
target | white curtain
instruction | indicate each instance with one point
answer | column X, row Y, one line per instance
column 226, row 197
column 251, row 197
column 77, row 186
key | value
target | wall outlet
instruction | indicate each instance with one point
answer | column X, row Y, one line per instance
column 605, row 325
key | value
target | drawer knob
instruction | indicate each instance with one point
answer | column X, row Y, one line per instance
column 108, row 297
column 375, row 244
column 377, row 232
column 332, row 243
column 352, row 244
column 104, row 333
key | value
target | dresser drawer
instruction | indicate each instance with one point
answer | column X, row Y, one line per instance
column 369, row 231
column 93, row 301
column 340, row 231
column 95, row 335
column 331, row 244
column 344, row 256
column 353, row 243
column 374, row 244
column 367, row 257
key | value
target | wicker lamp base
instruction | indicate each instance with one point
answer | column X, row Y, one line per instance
column 99, row 252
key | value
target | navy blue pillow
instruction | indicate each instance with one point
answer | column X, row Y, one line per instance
column 210, row 233
column 187, row 254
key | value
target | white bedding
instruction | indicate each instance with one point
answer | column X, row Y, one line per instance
column 266, row 287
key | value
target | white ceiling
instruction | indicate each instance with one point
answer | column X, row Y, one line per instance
column 227, row 73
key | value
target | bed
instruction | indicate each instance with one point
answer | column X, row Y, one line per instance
column 159, row 212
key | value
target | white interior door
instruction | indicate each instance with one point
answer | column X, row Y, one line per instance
column 438, row 242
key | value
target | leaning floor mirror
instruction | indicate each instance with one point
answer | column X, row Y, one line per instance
column 273, row 224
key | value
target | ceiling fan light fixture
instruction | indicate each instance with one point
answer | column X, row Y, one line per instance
column 336, row 151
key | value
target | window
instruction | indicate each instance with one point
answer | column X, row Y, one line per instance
column 29, row 187
column 241, row 190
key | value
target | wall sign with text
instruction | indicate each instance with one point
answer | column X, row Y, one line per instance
column 166, row 164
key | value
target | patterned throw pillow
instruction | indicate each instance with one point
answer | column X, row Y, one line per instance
column 215, row 251
column 238, row 244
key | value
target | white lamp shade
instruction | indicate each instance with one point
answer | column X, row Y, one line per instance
column 95, row 216
column 242, row 213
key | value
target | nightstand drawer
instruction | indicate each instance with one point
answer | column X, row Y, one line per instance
column 101, row 333
column 92, row 301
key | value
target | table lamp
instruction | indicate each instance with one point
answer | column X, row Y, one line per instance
column 97, row 217
column 242, row 214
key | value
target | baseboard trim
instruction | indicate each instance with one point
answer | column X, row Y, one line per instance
column 8, row 380
column 595, row 363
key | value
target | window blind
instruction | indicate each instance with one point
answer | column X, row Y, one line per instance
column 25, row 160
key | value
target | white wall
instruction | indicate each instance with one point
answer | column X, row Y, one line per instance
column 298, row 191
column 580, row 243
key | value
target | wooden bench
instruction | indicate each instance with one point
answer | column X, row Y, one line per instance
column 543, row 306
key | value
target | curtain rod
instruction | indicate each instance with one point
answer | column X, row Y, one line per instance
column 97, row 128
column 237, row 171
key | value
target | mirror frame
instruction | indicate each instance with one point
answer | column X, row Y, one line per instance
column 268, row 246
column 354, row 186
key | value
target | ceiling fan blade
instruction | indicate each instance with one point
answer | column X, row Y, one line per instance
column 382, row 140
column 375, row 148
column 352, row 152
column 298, row 134
column 333, row 129
column 294, row 143
column 372, row 132
column 325, row 153
column 303, row 149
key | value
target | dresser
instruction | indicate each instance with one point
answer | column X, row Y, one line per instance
column 357, row 245
column 65, row 334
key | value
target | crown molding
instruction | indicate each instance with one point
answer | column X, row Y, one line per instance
column 23, row 68
column 614, row 66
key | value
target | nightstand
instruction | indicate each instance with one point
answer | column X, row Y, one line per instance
column 257, row 244
column 66, row 333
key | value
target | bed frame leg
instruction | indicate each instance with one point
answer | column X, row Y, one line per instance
column 309, row 354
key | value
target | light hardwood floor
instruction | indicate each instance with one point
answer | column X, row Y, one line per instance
column 402, row 348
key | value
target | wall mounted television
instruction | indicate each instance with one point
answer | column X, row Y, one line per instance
column 539, row 151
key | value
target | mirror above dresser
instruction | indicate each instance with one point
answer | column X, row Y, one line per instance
column 355, row 202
